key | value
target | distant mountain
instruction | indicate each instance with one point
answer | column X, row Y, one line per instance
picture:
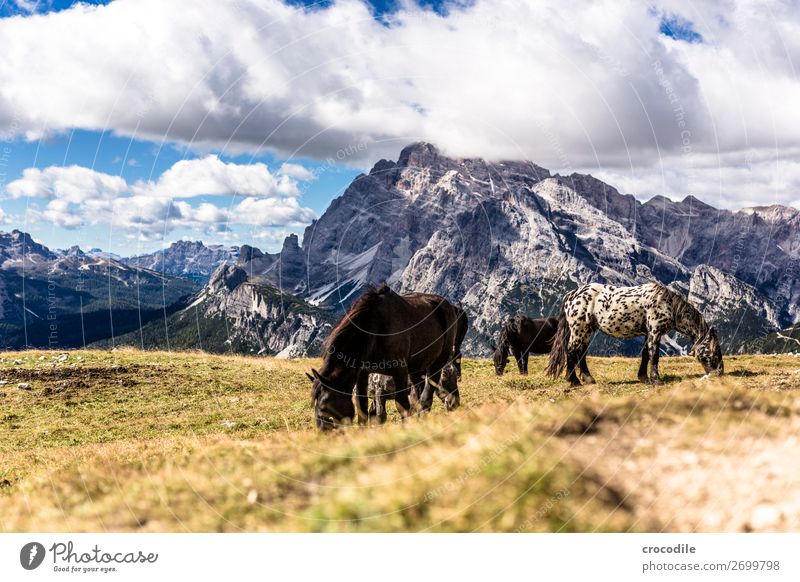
column 235, row 314
column 511, row 237
column 70, row 299
column 17, row 247
column 100, row 253
column 191, row 260
column 778, row 342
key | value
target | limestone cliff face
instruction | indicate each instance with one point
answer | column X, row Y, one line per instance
column 258, row 316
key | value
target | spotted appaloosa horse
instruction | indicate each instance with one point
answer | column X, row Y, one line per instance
column 623, row 312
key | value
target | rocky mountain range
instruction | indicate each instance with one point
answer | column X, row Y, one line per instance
column 510, row 237
column 499, row 238
column 189, row 259
column 69, row 298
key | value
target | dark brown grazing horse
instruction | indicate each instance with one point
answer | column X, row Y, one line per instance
column 404, row 336
column 523, row 336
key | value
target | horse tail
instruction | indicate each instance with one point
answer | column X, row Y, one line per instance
column 558, row 353
column 462, row 325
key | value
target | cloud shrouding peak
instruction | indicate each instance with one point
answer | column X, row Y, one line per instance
column 570, row 84
column 76, row 196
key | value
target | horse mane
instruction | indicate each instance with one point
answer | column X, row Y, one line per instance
column 685, row 312
column 358, row 307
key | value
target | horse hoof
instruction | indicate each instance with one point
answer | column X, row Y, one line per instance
column 644, row 379
column 656, row 381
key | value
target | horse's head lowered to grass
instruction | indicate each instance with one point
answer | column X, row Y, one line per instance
column 500, row 356
column 708, row 352
column 332, row 401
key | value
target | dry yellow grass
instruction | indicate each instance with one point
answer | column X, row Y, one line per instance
column 133, row 441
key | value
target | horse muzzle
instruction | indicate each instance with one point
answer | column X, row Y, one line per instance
column 325, row 422
column 718, row 371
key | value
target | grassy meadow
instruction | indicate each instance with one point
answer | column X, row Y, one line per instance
column 153, row 441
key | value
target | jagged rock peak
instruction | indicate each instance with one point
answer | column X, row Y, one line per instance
column 697, row 204
column 773, row 213
column 418, row 154
column 291, row 243
column 18, row 236
column 187, row 244
column 228, row 277
column 74, row 251
column 248, row 253
column 16, row 243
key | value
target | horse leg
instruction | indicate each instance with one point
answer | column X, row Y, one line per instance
column 576, row 349
column 573, row 358
column 361, row 397
column 586, row 376
column 378, row 408
column 431, row 386
column 518, row 358
column 401, row 393
column 643, row 366
column 416, row 390
column 653, row 347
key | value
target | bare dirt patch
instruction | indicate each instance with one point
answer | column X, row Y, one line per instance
column 728, row 480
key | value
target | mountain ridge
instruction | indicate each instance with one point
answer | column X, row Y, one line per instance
column 524, row 236
column 502, row 238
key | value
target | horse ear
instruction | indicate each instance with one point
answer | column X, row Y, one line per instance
column 316, row 374
column 310, row 377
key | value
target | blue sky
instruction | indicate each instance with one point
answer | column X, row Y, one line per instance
column 136, row 160
column 663, row 98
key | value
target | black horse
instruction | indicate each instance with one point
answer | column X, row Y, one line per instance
column 409, row 336
column 523, row 336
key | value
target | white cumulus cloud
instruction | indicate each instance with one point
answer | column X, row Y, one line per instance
column 74, row 184
column 211, row 176
column 569, row 84
column 76, row 196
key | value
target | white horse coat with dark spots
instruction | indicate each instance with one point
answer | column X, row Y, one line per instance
column 624, row 312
